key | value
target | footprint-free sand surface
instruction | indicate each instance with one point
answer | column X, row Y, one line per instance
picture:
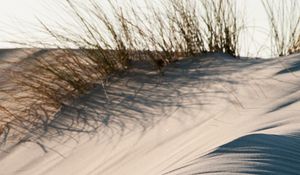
column 206, row 115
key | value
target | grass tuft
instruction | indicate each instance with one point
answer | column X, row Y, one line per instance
column 107, row 40
column 284, row 19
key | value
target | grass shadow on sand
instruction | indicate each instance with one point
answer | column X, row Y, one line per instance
column 139, row 98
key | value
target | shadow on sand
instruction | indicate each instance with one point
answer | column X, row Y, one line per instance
column 140, row 98
column 252, row 154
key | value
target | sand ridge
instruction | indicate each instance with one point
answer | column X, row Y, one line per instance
column 206, row 115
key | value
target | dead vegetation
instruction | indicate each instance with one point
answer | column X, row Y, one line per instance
column 284, row 19
column 107, row 43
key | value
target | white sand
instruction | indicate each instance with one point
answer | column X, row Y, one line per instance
column 219, row 116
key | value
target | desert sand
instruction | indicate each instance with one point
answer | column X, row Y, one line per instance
column 211, row 114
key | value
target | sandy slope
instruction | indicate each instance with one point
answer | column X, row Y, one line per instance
column 209, row 115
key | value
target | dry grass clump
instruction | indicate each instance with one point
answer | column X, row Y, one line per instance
column 45, row 83
column 163, row 31
column 222, row 26
column 295, row 47
column 187, row 28
column 108, row 39
column 284, row 19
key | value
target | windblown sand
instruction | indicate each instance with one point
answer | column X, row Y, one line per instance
column 206, row 115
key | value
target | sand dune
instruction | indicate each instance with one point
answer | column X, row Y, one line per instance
column 207, row 115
